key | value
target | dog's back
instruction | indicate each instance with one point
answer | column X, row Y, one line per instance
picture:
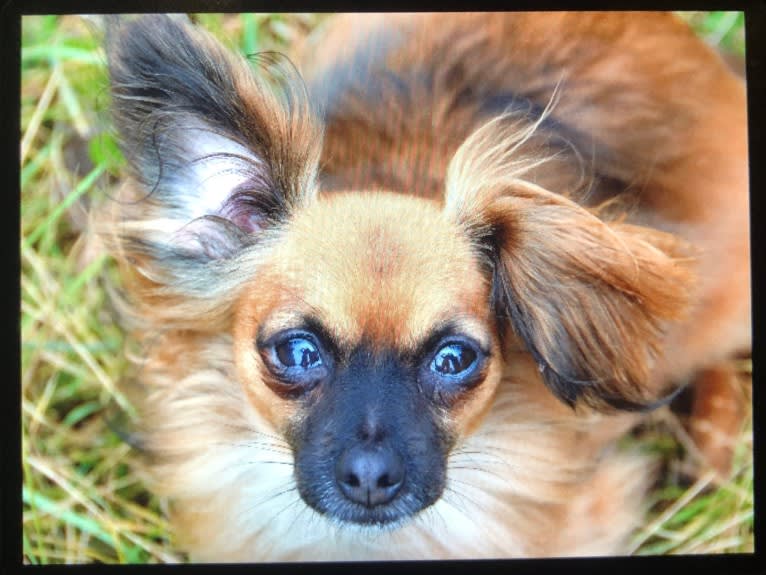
column 627, row 91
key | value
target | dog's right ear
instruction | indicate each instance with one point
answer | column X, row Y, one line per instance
column 217, row 153
column 591, row 299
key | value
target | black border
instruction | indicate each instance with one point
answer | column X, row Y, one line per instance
column 11, row 12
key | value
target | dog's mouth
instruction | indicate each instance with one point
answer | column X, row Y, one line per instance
column 389, row 515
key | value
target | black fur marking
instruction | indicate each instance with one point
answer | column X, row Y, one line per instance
column 372, row 400
column 330, row 89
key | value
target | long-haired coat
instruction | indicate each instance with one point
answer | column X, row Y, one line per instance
column 400, row 300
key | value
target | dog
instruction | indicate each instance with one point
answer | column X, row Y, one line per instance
column 399, row 295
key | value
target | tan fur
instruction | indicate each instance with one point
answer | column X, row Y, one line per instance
column 388, row 294
column 603, row 264
column 532, row 464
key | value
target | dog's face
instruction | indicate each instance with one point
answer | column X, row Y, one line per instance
column 370, row 359
column 370, row 328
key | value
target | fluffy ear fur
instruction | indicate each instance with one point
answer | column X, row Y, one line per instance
column 218, row 152
column 589, row 298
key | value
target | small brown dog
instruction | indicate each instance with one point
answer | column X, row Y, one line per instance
column 404, row 309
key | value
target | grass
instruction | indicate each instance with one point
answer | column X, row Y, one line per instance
column 703, row 514
column 83, row 497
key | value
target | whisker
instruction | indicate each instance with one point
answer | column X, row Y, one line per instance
column 259, row 432
column 278, row 449
column 276, row 493
column 295, row 501
column 260, row 462
column 463, row 510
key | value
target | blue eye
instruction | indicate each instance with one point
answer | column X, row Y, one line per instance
column 298, row 352
column 454, row 359
column 297, row 362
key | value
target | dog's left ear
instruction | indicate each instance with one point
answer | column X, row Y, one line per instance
column 220, row 156
column 219, row 152
column 589, row 298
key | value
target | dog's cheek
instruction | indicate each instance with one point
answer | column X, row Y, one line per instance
column 251, row 372
column 469, row 410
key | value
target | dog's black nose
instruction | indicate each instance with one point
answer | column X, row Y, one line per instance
column 370, row 474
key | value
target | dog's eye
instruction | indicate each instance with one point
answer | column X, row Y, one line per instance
column 298, row 352
column 454, row 367
column 296, row 359
column 453, row 359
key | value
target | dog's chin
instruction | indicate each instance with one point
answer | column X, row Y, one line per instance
column 388, row 516
column 345, row 513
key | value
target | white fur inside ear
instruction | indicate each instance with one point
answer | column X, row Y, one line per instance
column 216, row 167
column 203, row 172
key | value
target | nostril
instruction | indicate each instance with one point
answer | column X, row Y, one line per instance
column 386, row 481
column 370, row 475
column 352, row 480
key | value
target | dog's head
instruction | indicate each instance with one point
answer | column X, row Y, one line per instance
column 369, row 328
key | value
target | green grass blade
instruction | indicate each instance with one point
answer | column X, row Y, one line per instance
column 81, row 522
column 250, row 39
column 32, row 167
column 81, row 188
column 58, row 52
column 81, row 412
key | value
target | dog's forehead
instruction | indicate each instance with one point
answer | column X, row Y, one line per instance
column 382, row 266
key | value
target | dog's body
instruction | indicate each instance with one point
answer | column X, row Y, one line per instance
column 415, row 327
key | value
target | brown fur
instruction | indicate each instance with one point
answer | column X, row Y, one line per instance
column 591, row 235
